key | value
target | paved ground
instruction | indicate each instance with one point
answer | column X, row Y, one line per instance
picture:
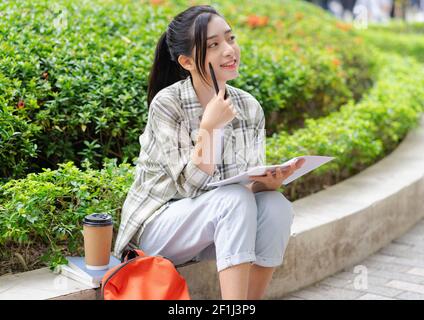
column 394, row 272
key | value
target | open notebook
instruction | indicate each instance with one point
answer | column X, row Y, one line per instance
column 311, row 163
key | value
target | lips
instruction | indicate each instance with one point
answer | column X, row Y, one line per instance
column 228, row 64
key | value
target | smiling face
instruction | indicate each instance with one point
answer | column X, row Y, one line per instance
column 222, row 51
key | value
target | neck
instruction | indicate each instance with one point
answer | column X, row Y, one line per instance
column 205, row 92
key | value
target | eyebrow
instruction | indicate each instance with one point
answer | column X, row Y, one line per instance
column 215, row 35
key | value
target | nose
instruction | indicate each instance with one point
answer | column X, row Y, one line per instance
column 228, row 50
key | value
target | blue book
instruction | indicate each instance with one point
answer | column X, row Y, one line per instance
column 93, row 276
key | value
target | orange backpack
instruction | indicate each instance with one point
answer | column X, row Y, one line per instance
column 141, row 277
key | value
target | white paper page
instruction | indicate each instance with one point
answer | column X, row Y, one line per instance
column 311, row 163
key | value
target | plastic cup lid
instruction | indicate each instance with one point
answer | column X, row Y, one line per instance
column 98, row 219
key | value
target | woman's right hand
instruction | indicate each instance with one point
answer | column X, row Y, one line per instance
column 218, row 112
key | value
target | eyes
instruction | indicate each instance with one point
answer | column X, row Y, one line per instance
column 213, row 44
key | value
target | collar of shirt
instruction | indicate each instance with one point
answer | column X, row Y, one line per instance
column 191, row 103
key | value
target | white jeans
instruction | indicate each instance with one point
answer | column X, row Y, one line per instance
column 230, row 224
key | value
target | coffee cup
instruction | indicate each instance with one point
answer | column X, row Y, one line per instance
column 97, row 230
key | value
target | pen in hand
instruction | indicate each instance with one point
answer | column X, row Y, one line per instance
column 219, row 111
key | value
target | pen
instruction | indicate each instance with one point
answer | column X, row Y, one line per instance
column 215, row 83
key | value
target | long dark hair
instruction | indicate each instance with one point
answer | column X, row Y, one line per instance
column 186, row 31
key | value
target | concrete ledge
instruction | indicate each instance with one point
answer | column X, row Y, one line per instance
column 43, row 284
column 333, row 229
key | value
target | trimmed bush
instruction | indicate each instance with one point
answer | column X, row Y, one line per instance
column 359, row 134
column 73, row 83
column 400, row 27
column 80, row 69
column 405, row 44
column 45, row 210
column 17, row 144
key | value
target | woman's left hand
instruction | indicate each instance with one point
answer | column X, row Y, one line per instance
column 272, row 181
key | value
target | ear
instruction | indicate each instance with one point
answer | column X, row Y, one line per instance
column 186, row 62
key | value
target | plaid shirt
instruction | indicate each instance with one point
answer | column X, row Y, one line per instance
column 165, row 171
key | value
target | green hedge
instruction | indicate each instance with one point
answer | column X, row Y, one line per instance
column 359, row 134
column 406, row 44
column 46, row 209
column 78, row 92
column 80, row 70
column 400, row 27
column 17, row 144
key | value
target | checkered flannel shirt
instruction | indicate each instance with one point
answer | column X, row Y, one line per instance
column 165, row 172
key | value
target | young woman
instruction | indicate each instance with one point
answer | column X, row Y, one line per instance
column 193, row 137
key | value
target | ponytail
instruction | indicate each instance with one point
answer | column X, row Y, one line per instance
column 165, row 70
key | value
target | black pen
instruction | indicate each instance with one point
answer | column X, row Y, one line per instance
column 215, row 83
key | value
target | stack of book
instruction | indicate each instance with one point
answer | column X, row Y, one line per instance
column 76, row 270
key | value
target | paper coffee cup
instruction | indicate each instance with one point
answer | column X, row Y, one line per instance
column 97, row 229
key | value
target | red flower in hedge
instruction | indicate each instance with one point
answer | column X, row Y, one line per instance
column 343, row 26
column 264, row 21
column 257, row 21
column 21, row 104
column 156, row 2
column 253, row 21
column 336, row 62
column 45, row 75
